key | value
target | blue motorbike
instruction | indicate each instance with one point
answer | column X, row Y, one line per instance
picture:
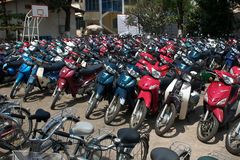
column 23, row 74
column 124, row 92
column 43, row 75
column 104, row 87
column 230, row 58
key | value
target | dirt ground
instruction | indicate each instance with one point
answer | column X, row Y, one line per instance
column 184, row 131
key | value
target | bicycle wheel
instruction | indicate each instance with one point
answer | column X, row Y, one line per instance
column 98, row 154
column 58, row 141
column 140, row 151
column 18, row 137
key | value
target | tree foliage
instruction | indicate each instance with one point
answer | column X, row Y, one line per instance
column 150, row 15
column 216, row 17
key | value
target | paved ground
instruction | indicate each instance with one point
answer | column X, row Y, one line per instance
column 185, row 131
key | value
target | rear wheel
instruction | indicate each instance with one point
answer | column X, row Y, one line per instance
column 140, row 150
column 165, row 119
column 206, row 130
column 15, row 89
column 112, row 110
column 138, row 115
column 232, row 142
column 91, row 107
column 20, row 134
column 56, row 97
column 68, row 144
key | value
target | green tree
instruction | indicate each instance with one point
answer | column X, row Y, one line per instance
column 216, row 17
column 180, row 10
column 61, row 4
column 150, row 15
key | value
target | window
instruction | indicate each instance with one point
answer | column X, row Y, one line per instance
column 112, row 5
column 92, row 5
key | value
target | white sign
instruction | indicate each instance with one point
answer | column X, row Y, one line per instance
column 124, row 28
column 39, row 11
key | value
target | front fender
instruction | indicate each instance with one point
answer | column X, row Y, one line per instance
column 218, row 113
column 61, row 83
column 20, row 78
column 100, row 91
column 122, row 94
column 147, row 97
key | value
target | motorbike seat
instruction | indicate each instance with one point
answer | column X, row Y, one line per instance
column 207, row 158
column 82, row 129
column 128, row 135
column 41, row 115
column 54, row 66
column 15, row 63
column 162, row 153
column 90, row 69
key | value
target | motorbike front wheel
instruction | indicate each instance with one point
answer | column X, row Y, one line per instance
column 91, row 107
column 112, row 110
column 138, row 115
column 165, row 119
column 14, row 89
column 55, row 99
column 206, row 130
column 28, row 89
column 232, row 142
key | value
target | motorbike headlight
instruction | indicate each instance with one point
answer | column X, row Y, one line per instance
column 222, row 102
column 132, row 72
column 110, row 69
column 70, row 65
column 155, row 73
column 228, row 80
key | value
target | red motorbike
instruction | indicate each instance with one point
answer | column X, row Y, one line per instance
column 221, row 103
column 148, row 97
column 75, row 79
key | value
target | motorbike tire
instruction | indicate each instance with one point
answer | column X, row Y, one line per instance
column 27, row 91
column 234, row 151
column 91, row 107
column 108, row 118
column 172, row 109
column 14, row 90
column 55, row 99
column 142, row 109
column 213, row 131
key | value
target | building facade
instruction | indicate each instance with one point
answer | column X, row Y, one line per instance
column 104, row 12
column 52, row 26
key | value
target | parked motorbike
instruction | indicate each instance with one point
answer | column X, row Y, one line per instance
column 184, row 94
column 43, row 75
column 124, row 92
column 104, row 87
column 221, row 103
column 23, row 73
column 74, row 79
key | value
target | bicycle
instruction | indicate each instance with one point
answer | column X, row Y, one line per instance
column 43, row 139
column 15, row 126
column 123, row 143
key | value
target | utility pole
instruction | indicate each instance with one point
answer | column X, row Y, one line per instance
column 123, row 9
column 100, row 12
